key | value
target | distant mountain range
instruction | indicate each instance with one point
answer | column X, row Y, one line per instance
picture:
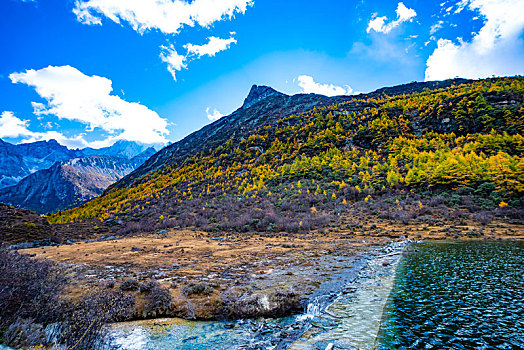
column 45, row 176
column 18, row 161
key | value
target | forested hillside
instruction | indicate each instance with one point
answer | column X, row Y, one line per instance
column 461, row 146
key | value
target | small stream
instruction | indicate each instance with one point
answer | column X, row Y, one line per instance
column 353, row 320
column 364, row 284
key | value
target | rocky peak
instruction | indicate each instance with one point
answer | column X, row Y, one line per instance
column 259, row 93
column 43, row 149
column 53, row 142
column 121, row 148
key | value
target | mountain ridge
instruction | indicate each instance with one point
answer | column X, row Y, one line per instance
column 291, row 163
column 261, row 101
column 18, row 161
column 121, row 148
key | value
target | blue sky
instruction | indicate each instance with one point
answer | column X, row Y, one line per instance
column 91, row 72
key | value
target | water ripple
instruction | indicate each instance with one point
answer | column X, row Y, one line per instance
column 467, row 295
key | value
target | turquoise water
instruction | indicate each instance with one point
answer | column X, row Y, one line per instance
column 457, row 295
column 168, row 334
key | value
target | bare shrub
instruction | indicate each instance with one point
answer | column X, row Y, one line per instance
column 352, row 194
column 468, row 202
column 381, row 205
column 453, row 214
column 24, row 333
column 321, row 221
column 435, row 201
column 512, row 213
column 129, row 285
column 131, row 227
column 82, row 323
column 157, row 301
column 168, row 223
column 29, row 288
column 386, row 215
column 404, row 216
column 30, row 291
column 197, row 288
column 147, row 286
column 483, row 217
column 291, row 226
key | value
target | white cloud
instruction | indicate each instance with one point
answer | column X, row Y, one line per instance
column 308, row 85
column 11, row 126
column 14, row 127
column 72, row 95
column 216, row 115
column 175, row 62
column 435, row 27
column 167, row 16
column 403, row 13
column 496, row 49
column 214, row 46
column 461, row 5
column 378, row 24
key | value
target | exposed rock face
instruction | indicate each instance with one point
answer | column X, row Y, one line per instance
column 139, row 159
column 122, row 148
column 259, row 93
column 18, row 161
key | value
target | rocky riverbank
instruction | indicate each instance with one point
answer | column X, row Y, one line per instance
column 209, row 277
